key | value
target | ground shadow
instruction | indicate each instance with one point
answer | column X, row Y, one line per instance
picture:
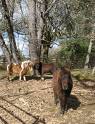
column 33, row 77
column 38, row 77
column 15, row 78
column 37, row 120
column 3, row 120
column 47, row 77
column 27, row 78
column 73, row 102
column 11, row 113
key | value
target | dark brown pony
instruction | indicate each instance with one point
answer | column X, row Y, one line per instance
column 62, row 86
column 45, row 68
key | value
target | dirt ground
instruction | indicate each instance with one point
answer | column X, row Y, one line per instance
column 32, row 102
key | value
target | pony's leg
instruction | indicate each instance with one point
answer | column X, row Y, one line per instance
column 42, row 78
column 8, row 77
column 66, row 103
column 62, row 103
column 56, row 99
column 36, row 73
column 20, row 76
column 24, row 78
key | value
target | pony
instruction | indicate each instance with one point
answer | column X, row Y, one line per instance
column 44, row 68
column 62, row 86
column 20, row 69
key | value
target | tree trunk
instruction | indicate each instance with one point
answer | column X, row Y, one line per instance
column 13, row 47
column 88, row 54
column 40, row 25
column 38, row 15
column 45, row 53
column 93, row 70
column 11, row 7
column 44, row 17
column 33, row 29
column 5, row 49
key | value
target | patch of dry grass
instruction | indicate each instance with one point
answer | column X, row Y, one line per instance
column 82, row 74
column 3, row 74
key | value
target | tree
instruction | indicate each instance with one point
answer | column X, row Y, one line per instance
column 38, row 27
column 13, row 48
column 5, row 49
column 73, row 52
column 33, row 29
column 89, row 24
column 88, row 54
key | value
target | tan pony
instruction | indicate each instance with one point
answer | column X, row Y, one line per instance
column 20, row 69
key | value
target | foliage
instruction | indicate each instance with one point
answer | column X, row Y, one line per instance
column 70, row 19
column 80, row 75
column 73, row 52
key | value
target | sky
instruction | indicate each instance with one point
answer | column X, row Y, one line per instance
column 21, row 40
column 21, row 43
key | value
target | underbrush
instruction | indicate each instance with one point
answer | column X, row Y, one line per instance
column 81, row 74
column 2, row 71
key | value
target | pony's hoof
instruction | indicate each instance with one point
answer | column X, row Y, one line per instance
column 42, row 79
column 62, row 112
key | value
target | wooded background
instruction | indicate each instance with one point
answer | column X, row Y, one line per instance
column 67, row 24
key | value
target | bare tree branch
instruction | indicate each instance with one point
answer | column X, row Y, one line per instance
column 52, row 4
column 13, row 47
column 5, row 49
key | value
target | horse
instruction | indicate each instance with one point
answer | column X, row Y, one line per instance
column 19, row 69
column 62, row 87
column 45, row 68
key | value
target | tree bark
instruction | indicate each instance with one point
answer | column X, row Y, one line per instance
column 11, row 7
column 45, row 53
column 38, row 15
column 93, row 70
column 33, row 29
column 92, row 38
column 44, row 17
column 88, row 54
column 5, row 49
column 40, row 25
column 13, row 47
